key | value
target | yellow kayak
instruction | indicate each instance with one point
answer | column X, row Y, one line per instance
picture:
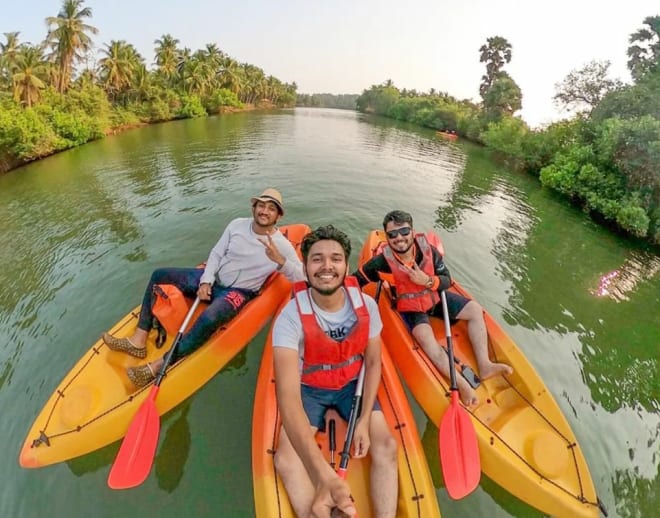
column 416, row 491
column 525, row 442
column 95, row 402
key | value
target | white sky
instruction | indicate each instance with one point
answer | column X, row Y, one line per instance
column 343, row 46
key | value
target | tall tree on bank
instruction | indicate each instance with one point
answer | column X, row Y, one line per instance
column 167, row 57
column 644, row 51
column 118, row 67
column 495, row 53
column 29, row 73
column 500, row 93
column 69, row 38
column 8, row 52
column 582, row 90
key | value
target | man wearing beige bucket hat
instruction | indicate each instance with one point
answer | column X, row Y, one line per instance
column 249, row 250
column 270, row 195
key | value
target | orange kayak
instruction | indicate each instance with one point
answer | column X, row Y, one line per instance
column 526, row 444
column 95, row 402
column 416, row 491
column 447, row 136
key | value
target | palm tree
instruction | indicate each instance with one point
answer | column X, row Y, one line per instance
column 198, row 76
column 142, row 84
column 68, row 36
column 229, row 75
column 30, row 70
column 8, row 56
column 644, row 51
column 119, row 66
column 214, row 56
column 182, row 58
column 167, row 56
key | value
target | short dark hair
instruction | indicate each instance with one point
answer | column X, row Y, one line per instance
column 324, row 232
column 397, row 216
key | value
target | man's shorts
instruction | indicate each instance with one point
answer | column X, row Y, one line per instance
column 455, row 304
column 317, row 402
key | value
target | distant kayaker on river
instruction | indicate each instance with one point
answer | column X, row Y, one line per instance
column 249, row 250
column 320, row 340
column 419, row 273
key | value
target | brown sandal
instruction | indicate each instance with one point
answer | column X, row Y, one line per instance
column 124, row 345
column 141, row 375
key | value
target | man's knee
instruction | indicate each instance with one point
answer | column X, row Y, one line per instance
column 158, row 274
column 285, row 457
column 471, row 310
column 384, row 447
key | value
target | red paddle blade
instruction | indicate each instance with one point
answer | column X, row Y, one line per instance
column 136, row 454
column 459, row 450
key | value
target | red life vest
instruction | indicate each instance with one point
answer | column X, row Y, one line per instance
column 327, row 363
column 412, row 297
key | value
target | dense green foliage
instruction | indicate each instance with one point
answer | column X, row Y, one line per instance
column 341, row 101
column 47, row 104
column 606, row 158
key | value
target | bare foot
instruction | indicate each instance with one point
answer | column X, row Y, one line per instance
column 467, row 393
column 493, row 369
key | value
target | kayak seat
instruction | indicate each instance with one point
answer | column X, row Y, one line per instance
column 497, row 408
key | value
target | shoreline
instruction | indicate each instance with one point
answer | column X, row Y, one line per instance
column 9, row 164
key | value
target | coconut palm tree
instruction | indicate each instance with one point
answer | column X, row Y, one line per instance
column 182, row 58
column 68, row 36
column 29, row 71
column 119, row 66
column 8, row 57
column 167, row 56
column 214, row 56
column 229, row 75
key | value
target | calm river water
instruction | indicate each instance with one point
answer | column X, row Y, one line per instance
column 82, row 230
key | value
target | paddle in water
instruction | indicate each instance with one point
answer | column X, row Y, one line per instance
column 459, row 450
column 136, row 454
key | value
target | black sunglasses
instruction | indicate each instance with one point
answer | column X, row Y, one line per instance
column 404, row 231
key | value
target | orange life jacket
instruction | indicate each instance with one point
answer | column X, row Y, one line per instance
column 412, row 297
column 327, row 363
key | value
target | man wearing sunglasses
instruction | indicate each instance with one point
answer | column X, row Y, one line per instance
column 419, row 273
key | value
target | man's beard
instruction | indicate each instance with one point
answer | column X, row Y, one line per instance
column 401, row 252
column 327, row 291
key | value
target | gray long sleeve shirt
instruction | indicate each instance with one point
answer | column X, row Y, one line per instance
column 239, row 259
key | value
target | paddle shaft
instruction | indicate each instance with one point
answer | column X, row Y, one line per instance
column 450, row 348
column 352, row 420
column 333, row 443
column 168, row 357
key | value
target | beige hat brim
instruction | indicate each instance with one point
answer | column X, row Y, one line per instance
column 267, row 199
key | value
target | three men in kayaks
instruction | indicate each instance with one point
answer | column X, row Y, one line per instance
column 249, row 250
column 418, row 271
column 320, row 340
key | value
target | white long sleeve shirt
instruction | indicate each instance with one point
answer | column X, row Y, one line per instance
column 239, row 259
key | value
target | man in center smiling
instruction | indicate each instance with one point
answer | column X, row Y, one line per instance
column 320, row 340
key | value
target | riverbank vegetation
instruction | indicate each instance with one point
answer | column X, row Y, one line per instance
column 606, row 158
column 338, row 101
column 56, row 94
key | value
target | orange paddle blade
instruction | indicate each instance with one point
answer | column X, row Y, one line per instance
column 136, row 454
column 459, row 450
